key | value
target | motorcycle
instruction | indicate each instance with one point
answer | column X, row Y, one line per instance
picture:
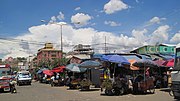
column 12, row 87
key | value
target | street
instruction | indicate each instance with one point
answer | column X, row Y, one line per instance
column 44, row 92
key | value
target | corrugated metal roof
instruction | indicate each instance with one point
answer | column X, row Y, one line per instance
column 82, row 56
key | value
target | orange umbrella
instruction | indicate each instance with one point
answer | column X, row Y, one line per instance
column 131, row 66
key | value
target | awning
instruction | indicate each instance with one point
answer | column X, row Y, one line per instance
column 169, row 63
column 58, row 69
column 48, row 72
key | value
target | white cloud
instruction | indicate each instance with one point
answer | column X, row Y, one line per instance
column 71, row 36
column 112, row 23
column 53, row 19
column 114, row 5
column 176, row 38
column 155, row 20
column 60, row 16
column 160, row 34
column 140, row 35
column 81, row 18
column 77, row 8
column 74, row 36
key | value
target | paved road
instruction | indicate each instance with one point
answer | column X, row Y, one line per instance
column 43, row 92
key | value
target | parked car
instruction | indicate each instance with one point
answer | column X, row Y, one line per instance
column 23, row 77
column 4, row 84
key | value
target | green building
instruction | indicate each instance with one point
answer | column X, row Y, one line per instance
column 156, row 49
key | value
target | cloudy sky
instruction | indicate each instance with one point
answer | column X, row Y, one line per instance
column 124, row 24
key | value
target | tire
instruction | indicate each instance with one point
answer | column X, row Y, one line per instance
column 152, row 90
column 109, row 92
column 122, row 91
column 117, row 92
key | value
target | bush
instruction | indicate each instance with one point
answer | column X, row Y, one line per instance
column 107, row 84
column 85, row 83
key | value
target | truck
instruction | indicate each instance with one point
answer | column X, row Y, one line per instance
column 5, row 77
column 175, row 74
column 23, row 77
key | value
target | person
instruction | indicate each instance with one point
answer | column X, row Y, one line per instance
column 147, row 72
column 57, row 76
column 12, row 86
column 53, row 78
column 165, row 80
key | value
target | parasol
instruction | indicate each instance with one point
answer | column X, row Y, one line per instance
column 90, row 64
column 169, row 63
column 73, row 67
column 118, row 59
column 145, row 63
column 131, row 66
column 159, row 63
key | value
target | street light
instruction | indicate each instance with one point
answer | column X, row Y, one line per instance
column 61, row 24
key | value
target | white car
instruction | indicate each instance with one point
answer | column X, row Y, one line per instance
column 23, row 77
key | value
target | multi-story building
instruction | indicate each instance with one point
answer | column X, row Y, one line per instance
column 48, row 53
column 83, row 49
column 80, row 52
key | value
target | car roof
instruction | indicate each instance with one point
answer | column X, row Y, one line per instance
column 23, row 72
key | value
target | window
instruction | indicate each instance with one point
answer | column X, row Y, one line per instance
column 165, row 49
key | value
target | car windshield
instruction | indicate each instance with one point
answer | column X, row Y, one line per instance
column 24, row 75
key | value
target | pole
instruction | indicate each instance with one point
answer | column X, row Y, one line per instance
column 61, row 41
column 105, row 45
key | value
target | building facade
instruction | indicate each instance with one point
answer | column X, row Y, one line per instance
column 156, row 49
column 48, row 54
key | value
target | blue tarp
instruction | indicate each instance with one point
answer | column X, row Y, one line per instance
column 115, row 59
column 119, row 59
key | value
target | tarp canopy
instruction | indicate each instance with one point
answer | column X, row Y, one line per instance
column 48, row 72
column 145, row 63
column 159, row 63
column 58, row 69
column 131, row 66
column 169, row 63
column 90, row 64
column 115, row 59
column 118, row 59
column 73, row 67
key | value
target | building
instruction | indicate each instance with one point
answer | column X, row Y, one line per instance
column 156, row 49
column 83, row 49
column 48, row 54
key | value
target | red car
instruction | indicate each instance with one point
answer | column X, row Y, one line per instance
column 5, row 84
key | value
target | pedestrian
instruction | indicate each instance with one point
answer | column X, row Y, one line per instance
column 165, row 83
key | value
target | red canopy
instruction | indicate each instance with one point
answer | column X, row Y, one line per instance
column 48, row 72
column 58, row 69
column 169, row 63
column 159, row 63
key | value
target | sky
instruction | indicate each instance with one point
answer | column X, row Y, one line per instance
column 25, row 25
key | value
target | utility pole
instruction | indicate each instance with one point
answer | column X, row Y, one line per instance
column 105, row 46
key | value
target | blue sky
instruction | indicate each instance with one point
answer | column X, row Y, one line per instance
column 18, row 16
